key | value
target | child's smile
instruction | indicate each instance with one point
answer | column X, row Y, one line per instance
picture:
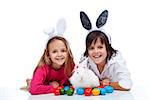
column 60, row 59
column 97, row 52
column 97, row 56
column 57, row 53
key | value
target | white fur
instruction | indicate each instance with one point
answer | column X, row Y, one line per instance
column 84, row 77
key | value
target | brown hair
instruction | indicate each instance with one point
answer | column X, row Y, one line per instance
column 93, row 36
column 69, row 63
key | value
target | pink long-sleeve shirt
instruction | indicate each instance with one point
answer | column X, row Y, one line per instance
column 43, row 76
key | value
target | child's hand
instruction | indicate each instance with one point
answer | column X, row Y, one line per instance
column 55, row 84
column 26, row 88
column 105, row 82
column 28, row 81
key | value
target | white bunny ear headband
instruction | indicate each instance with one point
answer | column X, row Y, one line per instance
column 101, row 20
column 58, row 31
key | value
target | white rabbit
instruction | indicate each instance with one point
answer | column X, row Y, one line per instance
column 84, row 77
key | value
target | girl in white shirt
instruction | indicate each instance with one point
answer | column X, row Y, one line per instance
column 106, row 62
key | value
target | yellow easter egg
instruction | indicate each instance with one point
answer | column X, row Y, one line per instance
column 95, row 92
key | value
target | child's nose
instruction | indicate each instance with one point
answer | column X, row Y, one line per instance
column 96, row 50
column 59, row 54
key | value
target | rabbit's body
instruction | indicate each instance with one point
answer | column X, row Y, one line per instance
column 84, row 77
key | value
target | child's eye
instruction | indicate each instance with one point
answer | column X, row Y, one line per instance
column 54, row 51
column 100, row 47
column 63, row 50
column 91, row 48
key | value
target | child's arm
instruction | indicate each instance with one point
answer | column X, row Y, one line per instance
column 124, row 81
column 121, row 79
column 116, row 86
column 37, row 84
column 122, row 75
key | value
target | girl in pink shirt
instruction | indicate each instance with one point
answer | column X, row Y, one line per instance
column 54, row 67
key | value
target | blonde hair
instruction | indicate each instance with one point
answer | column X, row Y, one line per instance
column 69, row 63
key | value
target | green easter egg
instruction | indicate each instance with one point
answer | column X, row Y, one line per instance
column 70, row 92
column 62, row 91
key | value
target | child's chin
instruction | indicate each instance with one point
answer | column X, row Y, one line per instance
column 60, row 63
column 97, row 62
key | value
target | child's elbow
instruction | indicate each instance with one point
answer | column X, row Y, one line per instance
column 33, row 91
column 126, row 87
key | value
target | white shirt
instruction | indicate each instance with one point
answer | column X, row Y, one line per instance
column 115, row 70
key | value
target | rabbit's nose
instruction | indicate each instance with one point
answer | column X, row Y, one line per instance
column 81, row 80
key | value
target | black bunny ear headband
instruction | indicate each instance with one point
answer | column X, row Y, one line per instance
column 101, row 20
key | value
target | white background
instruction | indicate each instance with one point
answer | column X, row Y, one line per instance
column 22, row 40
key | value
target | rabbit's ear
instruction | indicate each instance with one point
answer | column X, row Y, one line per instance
column 61, row 26
column 49, row 31
column 102, row 19
column 85, row 21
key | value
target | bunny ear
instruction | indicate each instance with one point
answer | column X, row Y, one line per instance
column 85, row 21
column 49, row 31
column 102, row 19
column 61, row 26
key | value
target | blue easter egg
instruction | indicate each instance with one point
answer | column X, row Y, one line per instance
column 109, row 89
column 66, row 88
column 80, row 91
column 103, row 91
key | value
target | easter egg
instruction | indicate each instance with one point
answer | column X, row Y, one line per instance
column 60, row 87
column 101, row 86
column 109, row 89
column 70, row 92
column 95, row 92
column 102, row 91
column 87, row 91
column 62, row 91
column 71, row 87
column 80, row 91
column 57, row 92
column 66, row 88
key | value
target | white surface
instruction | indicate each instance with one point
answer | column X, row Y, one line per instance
column 137, row 93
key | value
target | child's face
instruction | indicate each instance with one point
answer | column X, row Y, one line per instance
column 57, row 53
column 97, row 52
